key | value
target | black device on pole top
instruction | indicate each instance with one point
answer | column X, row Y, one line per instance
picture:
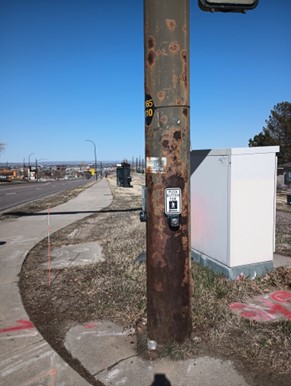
column 227, row 5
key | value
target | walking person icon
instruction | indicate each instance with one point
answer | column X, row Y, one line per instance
column 174, row 204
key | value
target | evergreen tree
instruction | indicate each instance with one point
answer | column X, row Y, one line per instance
column 277, row 131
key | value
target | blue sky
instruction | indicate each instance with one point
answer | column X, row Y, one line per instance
column 72, row 70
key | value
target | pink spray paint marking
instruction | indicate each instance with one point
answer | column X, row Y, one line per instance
column 23, row 325
column 46, row 377
column 90, row 325
column 274, row 306
column 281, row 296
column 251, row 311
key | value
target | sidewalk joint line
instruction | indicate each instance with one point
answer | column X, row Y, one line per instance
column 115, row 364
column 21, row 348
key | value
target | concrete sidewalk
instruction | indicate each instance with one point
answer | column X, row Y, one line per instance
column 25, row 357
column 105, row 350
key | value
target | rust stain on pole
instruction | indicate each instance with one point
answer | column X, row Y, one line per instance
column 168, row 157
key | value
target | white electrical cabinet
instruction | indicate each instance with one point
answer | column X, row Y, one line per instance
column 233, row 197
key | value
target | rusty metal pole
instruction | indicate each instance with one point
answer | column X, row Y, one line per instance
column 166, row 46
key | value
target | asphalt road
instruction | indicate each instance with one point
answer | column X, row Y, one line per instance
column 12, row 195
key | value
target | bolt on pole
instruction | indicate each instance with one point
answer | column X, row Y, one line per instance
column 167, row 140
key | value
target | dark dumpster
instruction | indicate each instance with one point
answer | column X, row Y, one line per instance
column 123, row 175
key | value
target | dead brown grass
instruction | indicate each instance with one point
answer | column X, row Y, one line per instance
column 116, row 290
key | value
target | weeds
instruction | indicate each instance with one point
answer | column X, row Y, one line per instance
column 116, row 290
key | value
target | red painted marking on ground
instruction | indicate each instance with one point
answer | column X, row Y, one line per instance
column 23, row 325
column 278, row 309
column 237, row 306
column 265, row 307
column 50, row 375
column 281, row 296
column 251, row 312
column 90, row 325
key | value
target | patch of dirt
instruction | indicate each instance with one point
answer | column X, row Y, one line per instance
column 116, row 290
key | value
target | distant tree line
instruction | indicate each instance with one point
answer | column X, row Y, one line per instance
column 277, row 132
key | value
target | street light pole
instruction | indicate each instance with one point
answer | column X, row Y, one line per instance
column 29, row 158
column 95, row 156
column 29, row 164
column 36, row 166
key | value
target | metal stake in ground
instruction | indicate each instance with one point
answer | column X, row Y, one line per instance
column 167, row 169
column 49, row 244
